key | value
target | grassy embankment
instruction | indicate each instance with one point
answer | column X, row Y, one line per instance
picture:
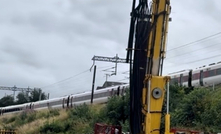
column 73, row 121
column 78, row 120
column 193, row 109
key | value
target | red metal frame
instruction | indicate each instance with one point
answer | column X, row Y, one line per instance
column 106, row 129
column 175, row 130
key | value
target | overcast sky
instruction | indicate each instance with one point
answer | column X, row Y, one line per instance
column 49, row 44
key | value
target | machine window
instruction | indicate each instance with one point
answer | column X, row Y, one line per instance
column 218, row 71
column 196, row 76
column 174, row 80
column 205, row 74
column 77, row 99
column 185, row 78
column 211, row 73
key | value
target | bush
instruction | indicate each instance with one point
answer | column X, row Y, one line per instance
column 41, row 114
column 116, row 110
column 31, row 117
column 10, row 120
column 23, row 115
column 54, row 112
column 81, row 111
column 54, row 127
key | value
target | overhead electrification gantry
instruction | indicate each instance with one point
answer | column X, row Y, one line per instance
column 24, row 90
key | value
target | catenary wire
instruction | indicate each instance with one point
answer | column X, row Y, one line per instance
column 175, row 56
column 208, row 52
column 198, row 60
column 66, row 78
column 191, row 56
column 61, row 81
column 203, row 59
column 197, row 41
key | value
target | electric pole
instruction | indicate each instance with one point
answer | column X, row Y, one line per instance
column 115, row 60
column 93, row 83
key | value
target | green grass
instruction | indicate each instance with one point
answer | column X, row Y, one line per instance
column 79, row 120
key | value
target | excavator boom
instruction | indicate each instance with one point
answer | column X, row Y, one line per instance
column 149, row 25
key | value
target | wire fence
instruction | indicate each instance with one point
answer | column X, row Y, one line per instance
column 6, row 131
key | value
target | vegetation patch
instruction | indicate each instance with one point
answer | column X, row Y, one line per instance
column 197, row 109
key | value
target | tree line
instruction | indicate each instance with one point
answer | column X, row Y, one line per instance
column 198, row 108
column 22, row 98
column 191, row 108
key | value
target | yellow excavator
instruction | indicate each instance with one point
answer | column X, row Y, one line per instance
column 146, row 53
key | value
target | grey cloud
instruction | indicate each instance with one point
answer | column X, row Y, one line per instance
column 19, row 53
column 43, row 42
column 43, row 21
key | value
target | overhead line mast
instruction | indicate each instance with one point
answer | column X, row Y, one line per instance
column 147, row 87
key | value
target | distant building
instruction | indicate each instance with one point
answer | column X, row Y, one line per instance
column 110, row 84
